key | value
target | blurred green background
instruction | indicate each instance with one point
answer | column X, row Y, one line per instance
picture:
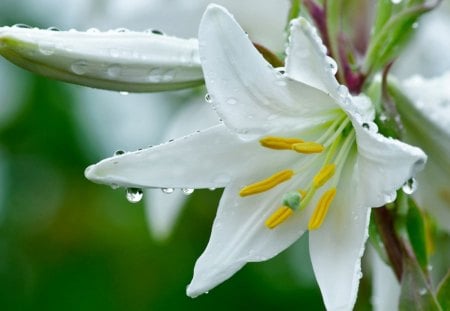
column 69, row 244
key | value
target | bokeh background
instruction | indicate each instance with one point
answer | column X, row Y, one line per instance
column 69, row 244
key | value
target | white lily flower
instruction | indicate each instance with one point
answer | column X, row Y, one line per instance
column 295, row 152
column 427, row 121
column 114, row 60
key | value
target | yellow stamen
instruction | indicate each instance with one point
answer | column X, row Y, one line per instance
column 321, row 209
column 279, row 143
column 324, row 175
column 302, row 192
column 267, row 183
column 308, row 147
column 278, row 217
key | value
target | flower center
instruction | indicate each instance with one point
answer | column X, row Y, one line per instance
column 329, row 152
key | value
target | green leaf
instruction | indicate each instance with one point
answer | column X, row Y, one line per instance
column 443, row 292
column 391, row 34
column 415, row 291
column 415, row 226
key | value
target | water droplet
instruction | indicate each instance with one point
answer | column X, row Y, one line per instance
column 332, row 65
column 114, row 70
column 342, row 91
column 422, row 291
column 396, row 1
column 281, row 70
column 169, row 75
column 92, row 30
column 79, row 67
column 134, row 195
column 119, row 152
column 53, row 28
column 389, row 198
column 114, row 186
column 231, row 101
column 121, row 30
column 370, row 126
column 212, row 189
column 22, row 26
column 415, row 25
column 410, row 186
column 208, row 98
column 187, row 191
column 47, row 48
column 124, row 93
column 156, row 32
column 167, row 190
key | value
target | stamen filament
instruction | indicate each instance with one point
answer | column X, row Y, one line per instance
column 279, row 143
column 267, row 183
column 321, row 209
column 324, row 175
column 308, row 147
column 278, row 217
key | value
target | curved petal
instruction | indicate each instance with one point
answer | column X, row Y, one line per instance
column 386, row 289
column 337, row 246
column 307, row 59
column 384, row 165
column 205, row 159
column 239, row 235
column 113, row 60
column 248, row 94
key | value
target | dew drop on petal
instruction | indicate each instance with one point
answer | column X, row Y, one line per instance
column 422, row 291
column 187, row 191
column 342, row 91
column 134, row 195
column 332, row 65
column 47, row 48
column 208, row 98
column 389, row 198
column 167, row 190
column 53, row 28
column 114, row 70
column 396, row 1
column 114, row 186
column 124, row 93
column 410, row 186
column 212, row 189
column 156, row 32
column 231, row 101
column 119, row 152
column 22, row 26
column 281, row 70
column 79, row 67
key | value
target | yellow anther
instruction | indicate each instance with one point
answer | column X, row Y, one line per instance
column 321, row 209
column 324, row 175
column 279, row 143
column 267, row 183
column 278, row 217
column 308, row 147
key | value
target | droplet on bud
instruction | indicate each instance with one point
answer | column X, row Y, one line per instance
column 134, row 195
column 188, row 191
column 167, row 190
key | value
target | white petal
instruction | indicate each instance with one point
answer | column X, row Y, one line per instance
column 384, row 165
column 337, row 246
column 248, row 94
column 207, row 159
column 307, row 61
column 239, row 235
column 386, row 289
column 121, row 61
